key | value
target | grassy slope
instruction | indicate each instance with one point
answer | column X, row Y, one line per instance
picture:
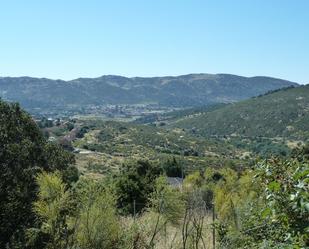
column 115, row 142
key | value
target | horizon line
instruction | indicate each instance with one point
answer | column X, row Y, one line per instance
column 161, row 76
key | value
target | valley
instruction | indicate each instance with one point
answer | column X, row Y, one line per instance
column 160, row 169
column 191, row 136
column 154, row 124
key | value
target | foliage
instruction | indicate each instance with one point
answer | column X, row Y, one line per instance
column 166, row 201
column 134, row 183
column 167, row 206
column 264, row 147
column 194, row 230
column 52, row 208
column 23, row 153
column 82, row 131
column 275, row 213
column 44, row 203
column 96, row 224
column 134, row 233
column 286, row 190
column 175, row 150
column 44, row 123
column 80, row 217
column 283, row 113
column 172, row 168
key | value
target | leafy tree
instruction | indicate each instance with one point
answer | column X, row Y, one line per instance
column 172, row 168
column 274, row 214
column 23, row 154
column 134, row 183
column 286, row 193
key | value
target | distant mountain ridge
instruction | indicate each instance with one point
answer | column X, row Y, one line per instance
column 179, row 91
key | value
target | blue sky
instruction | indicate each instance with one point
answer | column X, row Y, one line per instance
column 67, row 39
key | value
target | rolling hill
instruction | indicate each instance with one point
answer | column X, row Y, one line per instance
column 282, row 113
column 109, row 143
column 181, row 91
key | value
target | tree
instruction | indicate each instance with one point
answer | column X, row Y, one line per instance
column 83, row 216
column 24, row 152
column 96, row 223
column 52, row 208
column 268, row 208
column 133, row 185
column 172, row 168
column 286, row 192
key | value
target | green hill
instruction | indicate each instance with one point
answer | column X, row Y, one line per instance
column 283, row 113
column 108, row 143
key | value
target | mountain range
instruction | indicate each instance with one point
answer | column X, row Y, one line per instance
column 180, row 91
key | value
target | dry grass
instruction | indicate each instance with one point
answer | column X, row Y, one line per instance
column 170, row 236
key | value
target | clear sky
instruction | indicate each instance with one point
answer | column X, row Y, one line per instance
column 67, row 39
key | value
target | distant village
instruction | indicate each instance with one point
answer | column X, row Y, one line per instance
column 63, row 126
column 105, row 111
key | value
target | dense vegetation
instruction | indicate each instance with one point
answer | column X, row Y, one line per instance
column 23, row 154
column 283, row 113
column 222, row 196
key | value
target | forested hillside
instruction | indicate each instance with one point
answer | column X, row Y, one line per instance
column 283, row 113
column 180, row 91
